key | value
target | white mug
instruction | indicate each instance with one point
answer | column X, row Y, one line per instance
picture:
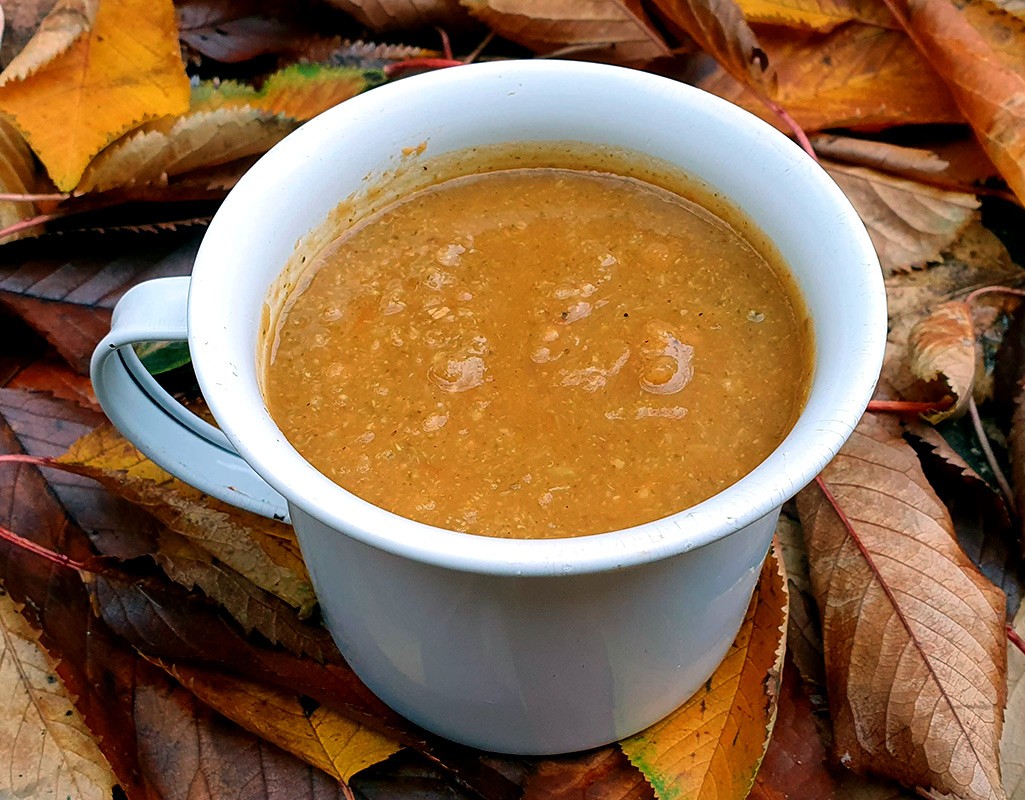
column 518, row 646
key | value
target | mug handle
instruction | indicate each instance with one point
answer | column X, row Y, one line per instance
column 161, row 427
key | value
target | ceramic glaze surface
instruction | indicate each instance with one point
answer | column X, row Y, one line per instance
column 525, row 646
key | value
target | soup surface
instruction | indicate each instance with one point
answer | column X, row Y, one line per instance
column 539, row 353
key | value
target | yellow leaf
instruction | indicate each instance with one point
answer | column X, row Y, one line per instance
column 126, row 70
column 264, row 551
column 168, row 147
column 45, row 748
column 711, row 747
column 318, row 735
column 818, row 15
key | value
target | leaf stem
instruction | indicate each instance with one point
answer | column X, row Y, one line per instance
column 790, row 122
column 14, row 197
column 907, row 406
column 1015, row 639
column 475, row 53
column 27, row 224
column 994, row 290
column 991, row 459
column 446, row 43
column 39, row 550
column 391, row 70
column 23, row 458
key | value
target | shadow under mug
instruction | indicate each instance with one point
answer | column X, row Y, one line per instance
column 517, row 646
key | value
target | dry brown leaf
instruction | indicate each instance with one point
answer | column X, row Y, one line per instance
column 910, row 223
column 126, row 69
column 45, row 748
column 320, row 736
column 62, row 26
column 613, row 30
column 1012, row 743
column 943, row 353
column 712, row 745
column 858, row 76
column 719, row 28
column 263, row 551
column 390, row 15
column 817, row 15
column 914, row 634
column 804, row 633
column 165, row 148
column 17, row 176
column 979, row 50
column 21, row 20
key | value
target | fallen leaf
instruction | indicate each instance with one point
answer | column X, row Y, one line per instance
column 57, row 379
column 126, row 69
column 943, row 354
column 914, row 641
column 979, row 50
column 858, row 76
column 299, row 92
column 69, row 301
column 804, row 632
column 318, row 735
column 408, row 775
column 366, row 55
column 183, row 745
column 1012, row 743
column 613, row 30
column 17, row 176
column 63, row 25
column 910, row 223
column 719, row 28
column 713, row 745
column 817, row 15
column 230, row 32
column 605, row 773
column 390, row 15
column 22, row 19
column 166, row 148
column 263, row 551
column 981, row 519
column 47, row 750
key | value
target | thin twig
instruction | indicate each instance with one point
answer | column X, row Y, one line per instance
column 991, row 459
column 1015, row 639
column 475, row 53
column 994, row 290
column 14, row 197
column 570, row 49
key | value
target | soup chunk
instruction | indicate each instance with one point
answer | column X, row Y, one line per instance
column 539, row 353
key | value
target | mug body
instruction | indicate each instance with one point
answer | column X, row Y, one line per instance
column 535, row 646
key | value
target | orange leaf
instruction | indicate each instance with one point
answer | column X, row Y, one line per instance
column 914, row 634
column 943, row 353
column 719, row 28
column 126, row 70
column 711, row 747
column 857, row 76
column 613, row 30
column 817, row 15
column 979, row 50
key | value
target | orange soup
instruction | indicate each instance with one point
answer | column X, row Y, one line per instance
column 539, row 353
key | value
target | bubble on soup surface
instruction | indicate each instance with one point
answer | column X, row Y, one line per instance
column 454, row 374
column 667, row 362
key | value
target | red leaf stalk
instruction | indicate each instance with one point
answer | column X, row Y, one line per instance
column 39, row 550
column 410, row 64
column 1015, row 639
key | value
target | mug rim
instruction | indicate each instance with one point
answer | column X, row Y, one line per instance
column 241, row 411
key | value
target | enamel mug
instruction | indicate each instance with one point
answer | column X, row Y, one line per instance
column 517, row 646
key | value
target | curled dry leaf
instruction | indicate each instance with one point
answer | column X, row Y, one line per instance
column 713, row 744
column 172, row 146
column 914, row 634
column 613, row 30
column 126, row 69
column 817, row 15
column 320, row 736
column 910, row 223
column 45, row 748
column 719, row 28
column 390, row 15
column 263, row 551
column 17, row 176
column 1012, row 743
column 59, row 29
column 856, row 76
column 804, row 632
column 943, row 354
column 979, row 50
